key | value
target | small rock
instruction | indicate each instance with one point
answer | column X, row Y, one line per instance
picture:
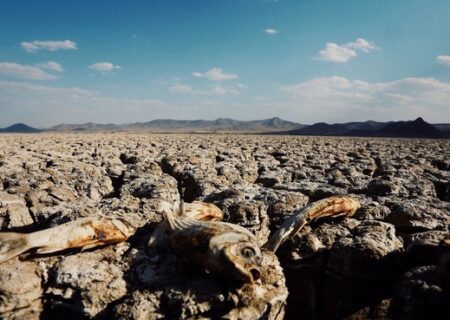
column 21, row 291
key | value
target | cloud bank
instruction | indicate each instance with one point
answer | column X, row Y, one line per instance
column 340, row 99
column 42, row 106
column 28, row 72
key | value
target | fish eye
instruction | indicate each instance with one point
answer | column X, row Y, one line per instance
column 248, row 252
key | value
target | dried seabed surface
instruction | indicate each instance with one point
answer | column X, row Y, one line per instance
column 385, row 261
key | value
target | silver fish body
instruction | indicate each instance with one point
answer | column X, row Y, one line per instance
column 221, row 248
column 84, row 233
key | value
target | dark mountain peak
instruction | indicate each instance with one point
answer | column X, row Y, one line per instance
column 19, row 125
column 19, row 128
column 418, row 128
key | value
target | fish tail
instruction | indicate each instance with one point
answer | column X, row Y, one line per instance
column 12, row 244
column 167, row 212
column 181, row 208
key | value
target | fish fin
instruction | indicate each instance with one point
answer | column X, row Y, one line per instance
column 177, row 223
column 46, row 250
column 89, row 246
column 12, row 244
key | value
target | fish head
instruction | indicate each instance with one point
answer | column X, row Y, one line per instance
column 122, row 230
column 237, row 255
column 246, row 258
column 111, row 231
column 352, row 206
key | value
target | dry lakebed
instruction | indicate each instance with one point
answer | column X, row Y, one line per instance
column 390, row 260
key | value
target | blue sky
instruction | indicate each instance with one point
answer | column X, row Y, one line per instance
column 301, row 60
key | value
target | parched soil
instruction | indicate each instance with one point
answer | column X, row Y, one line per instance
column 388, row 261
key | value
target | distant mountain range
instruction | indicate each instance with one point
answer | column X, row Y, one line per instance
column 418, row 128
column 325, row 129
column 90, row 126
column 220, row 124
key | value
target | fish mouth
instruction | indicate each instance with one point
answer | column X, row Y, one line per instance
column 256, row 273
column 249, row 275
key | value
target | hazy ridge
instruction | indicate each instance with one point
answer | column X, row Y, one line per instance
column 418, row 128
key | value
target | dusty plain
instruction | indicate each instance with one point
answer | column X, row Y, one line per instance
column 384, row 262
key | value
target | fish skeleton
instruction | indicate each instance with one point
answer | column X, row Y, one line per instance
column 219, row 247
column 84, row 233
column 229, row 249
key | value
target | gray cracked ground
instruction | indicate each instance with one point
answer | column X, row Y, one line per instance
column 382, row 263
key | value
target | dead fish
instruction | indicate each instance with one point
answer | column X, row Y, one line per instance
column 84, row 233
column 334, row 206
column 221, row 248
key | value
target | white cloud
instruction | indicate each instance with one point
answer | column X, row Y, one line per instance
column 49, row 45
column 50, row 65
column 361, row 44
column 20, row 71
column 341, row 99
column 271, row 31
column 104, row 67
column 343, row 53
column 444, row 60
column 336, row 53
column 180, row 88
column 215, row 74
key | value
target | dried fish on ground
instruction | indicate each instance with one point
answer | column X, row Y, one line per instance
column 195, row 231
column 84, row 233
column 219, row 247
column 334, row 206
